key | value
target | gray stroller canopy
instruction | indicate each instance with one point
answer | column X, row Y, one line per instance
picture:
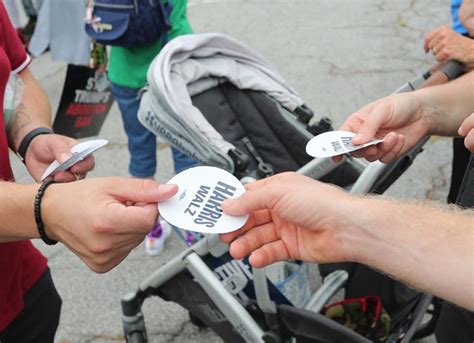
column 191, row 64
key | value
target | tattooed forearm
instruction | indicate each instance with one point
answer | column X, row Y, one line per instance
column 20, row 120
column 33, row 111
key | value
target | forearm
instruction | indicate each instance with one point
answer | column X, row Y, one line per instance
column 33, row 111
column 16, row 211
column 446, row 106
column 428, row 248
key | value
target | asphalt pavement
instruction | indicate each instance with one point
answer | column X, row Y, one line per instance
column 338, row 54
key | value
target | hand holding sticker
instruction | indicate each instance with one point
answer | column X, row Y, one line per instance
column 197, row 205
column 79, row 152
column 335, row 143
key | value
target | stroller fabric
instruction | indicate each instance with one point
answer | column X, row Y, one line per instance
column 192, row 64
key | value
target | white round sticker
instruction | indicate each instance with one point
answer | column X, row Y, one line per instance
column 197, row 205
column 334, row 143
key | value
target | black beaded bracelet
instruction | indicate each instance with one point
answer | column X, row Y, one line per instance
column 37, row 210
column 25, row 142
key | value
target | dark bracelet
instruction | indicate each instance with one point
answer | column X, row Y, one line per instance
column 25, row 142
column 37, row 210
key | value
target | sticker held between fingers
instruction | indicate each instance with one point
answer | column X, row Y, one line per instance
column 335, row 143
column 79, row 152
column 197, row 204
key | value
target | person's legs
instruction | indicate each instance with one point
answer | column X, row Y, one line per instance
column 182, row 161
column 141, row 142
column 40, row 316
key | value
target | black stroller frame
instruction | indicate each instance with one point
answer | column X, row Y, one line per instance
column 267, row 321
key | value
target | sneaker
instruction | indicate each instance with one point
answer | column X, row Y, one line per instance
column 155, row 240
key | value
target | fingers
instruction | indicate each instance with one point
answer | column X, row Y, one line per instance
column 469, row 141
column 371, row 125
column 466, row 125
column 128, row 219
column 252, row 240
column 429, row 37
column 434, row 37
column 394, row 152
column 261, row 195
column 104, row 262
column 386, row 151
column 268, row 254
column 84, row 166
column 257, row 218
column 467, row 130
column 139, row 190
column 61, row 146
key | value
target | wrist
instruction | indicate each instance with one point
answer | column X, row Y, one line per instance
column 18, row 223
column 49, row 206
column 29, row 138
column 431, row 115
column 355, row 229
column 364, row 240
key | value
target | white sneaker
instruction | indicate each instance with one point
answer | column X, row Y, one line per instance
column 155, row 240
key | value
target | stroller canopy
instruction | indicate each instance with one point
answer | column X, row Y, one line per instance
column 191, row 64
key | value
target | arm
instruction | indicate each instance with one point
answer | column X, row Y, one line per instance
column 294, row 217
column 428, row 248
column 402, row 120
column 100, row 220
column 34, row 111
column 446, row 106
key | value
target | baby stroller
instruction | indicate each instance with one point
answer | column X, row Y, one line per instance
column 226, row 106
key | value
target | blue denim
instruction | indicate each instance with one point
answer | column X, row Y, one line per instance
column 141, row 142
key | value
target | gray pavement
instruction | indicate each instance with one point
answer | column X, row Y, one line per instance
column 339, row 54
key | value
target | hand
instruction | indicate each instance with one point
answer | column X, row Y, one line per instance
column 102, row 220
column 44, row 149
column 398, row 119
column 445, row 45
column 467, row 130
column 466, row 15
column 291, row 217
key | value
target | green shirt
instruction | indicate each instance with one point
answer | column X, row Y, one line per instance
column 128, row 66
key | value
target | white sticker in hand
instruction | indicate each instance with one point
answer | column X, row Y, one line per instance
column 335, row 143
column 79, row 152
column 197, row 205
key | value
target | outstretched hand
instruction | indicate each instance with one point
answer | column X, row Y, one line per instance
column 291, row 217
column 398, row 119
column 102, row 220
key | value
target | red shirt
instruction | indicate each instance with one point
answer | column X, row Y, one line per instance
column 21, row 265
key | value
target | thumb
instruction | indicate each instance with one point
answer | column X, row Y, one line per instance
column 261, row 196
column 61, row 148
column 371, row 125
column 137, row 190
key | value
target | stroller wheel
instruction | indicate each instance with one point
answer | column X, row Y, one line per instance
column 196, row 321
column 427, row 327
column 136, row 337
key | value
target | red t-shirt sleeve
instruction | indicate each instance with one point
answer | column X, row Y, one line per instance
column 19, row 60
